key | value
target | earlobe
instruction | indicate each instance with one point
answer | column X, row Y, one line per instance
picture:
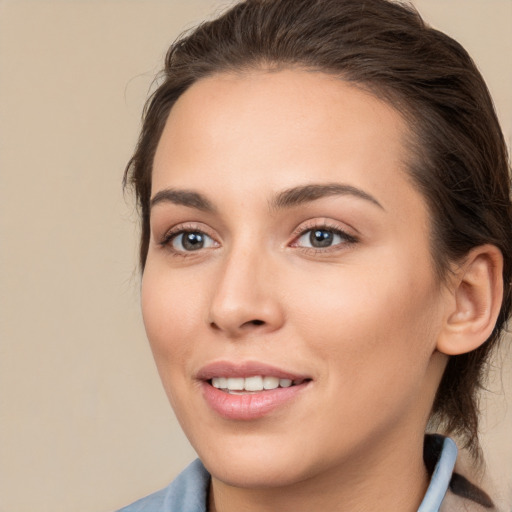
column 476, row 295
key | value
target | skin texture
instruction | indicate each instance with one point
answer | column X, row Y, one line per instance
column 361, row 318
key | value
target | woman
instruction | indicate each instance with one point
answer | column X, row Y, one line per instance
column 326, row 255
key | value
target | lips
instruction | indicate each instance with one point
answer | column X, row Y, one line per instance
column 249, row 390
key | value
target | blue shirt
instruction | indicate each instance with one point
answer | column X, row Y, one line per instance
column 189, row 491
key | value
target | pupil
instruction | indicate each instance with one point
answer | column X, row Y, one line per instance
column 193, row 241
column 320, row 238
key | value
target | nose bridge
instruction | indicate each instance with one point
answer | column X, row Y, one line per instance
column 245, row 296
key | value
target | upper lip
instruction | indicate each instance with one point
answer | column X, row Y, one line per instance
column 245, row 369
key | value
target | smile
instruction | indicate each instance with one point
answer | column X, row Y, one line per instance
column 253, row 384
column 249, row 390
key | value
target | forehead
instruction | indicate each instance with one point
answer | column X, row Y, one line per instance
column 280, row 126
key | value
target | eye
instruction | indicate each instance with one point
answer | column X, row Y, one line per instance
column 187, row 241
column 323, row 237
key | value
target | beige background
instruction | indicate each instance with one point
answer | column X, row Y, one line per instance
column 84, row 424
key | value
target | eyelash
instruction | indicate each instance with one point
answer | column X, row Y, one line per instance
column 347, row 239
column 168, row 238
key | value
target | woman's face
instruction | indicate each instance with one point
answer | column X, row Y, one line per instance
column 288, row 244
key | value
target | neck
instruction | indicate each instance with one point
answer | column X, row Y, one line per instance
column 387, row 477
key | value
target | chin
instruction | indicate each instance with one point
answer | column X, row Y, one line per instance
column 247, row 461
column 254, row 474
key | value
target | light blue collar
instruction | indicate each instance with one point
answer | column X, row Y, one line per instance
column 440, row 478
column 189, row 492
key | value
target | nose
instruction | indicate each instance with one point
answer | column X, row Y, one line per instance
column 246, row 296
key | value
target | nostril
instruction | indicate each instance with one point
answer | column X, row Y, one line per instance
column 239, row 328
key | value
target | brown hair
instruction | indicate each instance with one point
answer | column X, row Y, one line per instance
column 459, row 157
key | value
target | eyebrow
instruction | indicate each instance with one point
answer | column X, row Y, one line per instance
column 286, row 199
column 187, row 198
column 304, row 194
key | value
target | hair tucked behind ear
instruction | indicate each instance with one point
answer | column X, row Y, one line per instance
column 458, row 155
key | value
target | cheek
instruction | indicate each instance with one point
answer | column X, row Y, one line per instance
column 377, row 321
column 170, row 311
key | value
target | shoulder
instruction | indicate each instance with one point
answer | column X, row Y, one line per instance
column 460, row 492
column 187, row 493
column 152, row 502
column 463, row 489
column 456, row 503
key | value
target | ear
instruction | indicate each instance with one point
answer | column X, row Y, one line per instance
column 477, row 294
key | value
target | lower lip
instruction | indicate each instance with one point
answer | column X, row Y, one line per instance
column 252, row 405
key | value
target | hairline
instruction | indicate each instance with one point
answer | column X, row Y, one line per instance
column 411, row 142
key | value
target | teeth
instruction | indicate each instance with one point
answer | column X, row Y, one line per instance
column 270, row 382
column 254, row 383
column 235, row 383
column 220, row 382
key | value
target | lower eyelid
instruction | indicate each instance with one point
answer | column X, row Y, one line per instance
column 167, row 239
column 174, row 236
column 346, row 237
column 179, row 229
